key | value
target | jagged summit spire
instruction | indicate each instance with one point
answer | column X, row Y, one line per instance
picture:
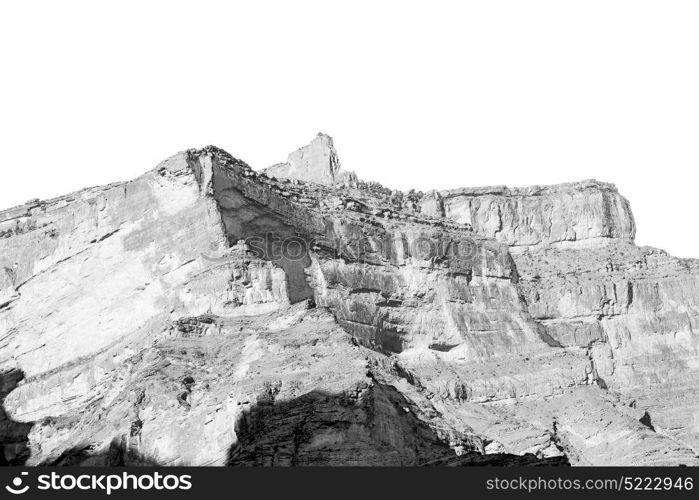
column 316, row 162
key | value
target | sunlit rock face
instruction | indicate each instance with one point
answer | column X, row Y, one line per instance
column 317, row 162
column 208, row 314
column 561, row 215
column 633, row 309
column 636, row 310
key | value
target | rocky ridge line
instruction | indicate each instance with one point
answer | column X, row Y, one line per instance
column 154, row 297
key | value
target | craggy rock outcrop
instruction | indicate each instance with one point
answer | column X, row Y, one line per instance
column 636, row 311
column 317, row 162
column 534, row 216
column 208, row 314
column 13, row 435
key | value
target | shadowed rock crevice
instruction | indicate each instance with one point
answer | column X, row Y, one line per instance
column 142, row 317
column 268, row 237
column 116, row 455
column 14, row 436
column 374, row 426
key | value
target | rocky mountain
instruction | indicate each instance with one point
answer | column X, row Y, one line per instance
column 208, row 314
column 317, row 162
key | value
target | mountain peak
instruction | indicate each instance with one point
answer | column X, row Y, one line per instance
column 316, row 162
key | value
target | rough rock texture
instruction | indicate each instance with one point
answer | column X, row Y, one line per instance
column 317, row 162
column 13, row 435
column 550, row 215
column 207, row 314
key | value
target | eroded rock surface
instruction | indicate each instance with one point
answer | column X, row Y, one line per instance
column 208, row 314
column 317, row 162
column 582, row 212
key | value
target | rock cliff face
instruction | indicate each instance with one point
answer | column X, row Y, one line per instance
column 207, row 314
column 317, row 162
column 565, row 215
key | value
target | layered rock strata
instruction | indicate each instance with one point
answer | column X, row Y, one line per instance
column 545, row 216
column 207, row 314
column 317, row 162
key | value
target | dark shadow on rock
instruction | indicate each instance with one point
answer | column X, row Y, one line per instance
column 267, row 235
column 14, row 440
column 501, row 460
column 118, row 455
column 14, row 436
column 372, row 426
column 646, row 420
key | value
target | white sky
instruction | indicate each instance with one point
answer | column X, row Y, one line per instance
column 425, row 94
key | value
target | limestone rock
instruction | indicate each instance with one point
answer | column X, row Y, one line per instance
column 317, row 162
column 558, row 215
column 207, row 314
